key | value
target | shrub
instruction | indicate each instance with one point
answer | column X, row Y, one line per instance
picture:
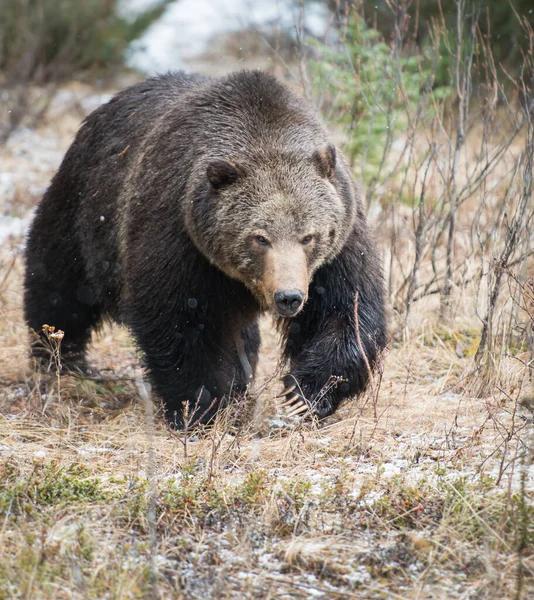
column 372, row 87
column 44, row 40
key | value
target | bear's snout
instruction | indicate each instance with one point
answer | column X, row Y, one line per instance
column 288, row 302
column 283, row 285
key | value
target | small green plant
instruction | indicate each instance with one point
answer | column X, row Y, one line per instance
column 182, row 494
column 45, row 486
column 299, row 492
column 403, row 507
column 253, row 488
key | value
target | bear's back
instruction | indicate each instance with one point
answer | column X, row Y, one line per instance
column 249, row 111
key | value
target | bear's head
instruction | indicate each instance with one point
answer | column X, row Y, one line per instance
column 270, row 221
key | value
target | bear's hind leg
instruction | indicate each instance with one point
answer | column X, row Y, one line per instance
column 57, row 294
column 64, row 307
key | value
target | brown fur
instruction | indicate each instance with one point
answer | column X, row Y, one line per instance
column 293, row 198
column 230, row 193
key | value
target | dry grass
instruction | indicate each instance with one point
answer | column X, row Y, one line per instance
column 432, row 498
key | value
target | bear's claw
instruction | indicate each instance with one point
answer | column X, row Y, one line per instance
column 287, row 391
column 297, row 409
column 290, row 402
column 293, row 406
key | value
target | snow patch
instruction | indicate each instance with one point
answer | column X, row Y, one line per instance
column 13, row 227
column 187, row 27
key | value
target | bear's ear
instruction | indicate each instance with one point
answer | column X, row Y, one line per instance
column 222, row 173
column 324, row 160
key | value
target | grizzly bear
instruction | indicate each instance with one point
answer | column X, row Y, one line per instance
column 185, row 207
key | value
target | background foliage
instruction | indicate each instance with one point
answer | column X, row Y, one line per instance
column 44, row 40
column 502, row 22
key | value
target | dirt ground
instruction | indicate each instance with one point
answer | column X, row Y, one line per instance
column 420, row 489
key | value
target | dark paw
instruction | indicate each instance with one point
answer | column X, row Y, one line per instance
column 174, row 419
column 194, row 422
column 299, row 401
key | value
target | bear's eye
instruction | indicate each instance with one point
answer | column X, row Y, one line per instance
column 306, row 240
column 262, row 241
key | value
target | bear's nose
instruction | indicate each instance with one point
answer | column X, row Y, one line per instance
column 288, row 302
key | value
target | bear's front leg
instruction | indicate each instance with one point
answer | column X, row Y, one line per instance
column 327, row 364
column 195, row 365
column 182, row 370
column 198, row 367
column 187, row 335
